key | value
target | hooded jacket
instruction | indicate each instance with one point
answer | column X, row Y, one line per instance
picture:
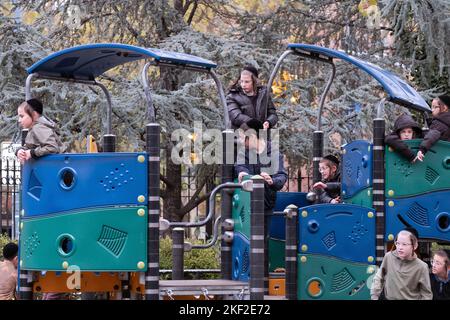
column 42, row 139
column 241, row 108
column 402, row 279
column 439, row 130
column 393, row 140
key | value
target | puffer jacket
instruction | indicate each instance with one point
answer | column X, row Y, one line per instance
column 42, row 139
column 241, row 109
column 439, row 130
column 393, row 140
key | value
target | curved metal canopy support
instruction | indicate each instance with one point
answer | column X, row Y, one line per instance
column 274, row 73
column 28, row 85
column 108, row 109
column 148, row 96
column 219, row 86
column 324, row 95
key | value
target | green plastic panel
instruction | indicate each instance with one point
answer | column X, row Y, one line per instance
column 362, row 198
column 406, row 179
column 241, row 212
column 276, row 254
column 327, row 278
column 102, row 239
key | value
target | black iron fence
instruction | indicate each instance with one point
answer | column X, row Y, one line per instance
column 9, row 196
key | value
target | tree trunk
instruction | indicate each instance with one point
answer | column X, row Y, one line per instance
column 172, row 200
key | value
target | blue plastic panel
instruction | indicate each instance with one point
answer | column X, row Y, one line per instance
column 357, row 163
column 277, row 224
column 398, row 90
column 240, row 253
column 99, row 179
column 86, row 62
column 344, row 231
column 428, row 213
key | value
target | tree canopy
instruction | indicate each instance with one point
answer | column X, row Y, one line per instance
column 405, row 37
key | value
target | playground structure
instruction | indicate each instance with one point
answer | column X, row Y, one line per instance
column 111, row 232
column 332, row 249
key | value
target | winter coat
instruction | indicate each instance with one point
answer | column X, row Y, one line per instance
column 439, row 130
column 440, row 288
column 332, row 190
column 402, row 279
column 279, row 178
column 241, row 108
column 42, row 139
column 393, row 140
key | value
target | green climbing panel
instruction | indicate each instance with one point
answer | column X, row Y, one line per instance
column 405, row 179
column 362, row 198
column 276, row 254
column 327, row 278
column 241, row 212
column 102, row 239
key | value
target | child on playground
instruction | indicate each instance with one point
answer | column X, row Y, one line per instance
column 41, row 138
column 405, row 128
column 329, row 188
column 440, row 276
column 439, row 127
column 402, row 275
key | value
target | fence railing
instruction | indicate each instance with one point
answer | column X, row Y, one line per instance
column 9, row 196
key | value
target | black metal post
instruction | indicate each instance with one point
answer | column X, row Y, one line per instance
column 153, row 150
column 226, row 195
column 317, row 154
column 25, row 284
column 109, row 143
column 291, row 251
column 257, row 239
column 125, row 282
column 178, row 254
column 378, row 186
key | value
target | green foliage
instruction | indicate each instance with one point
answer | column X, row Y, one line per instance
column 195, row 259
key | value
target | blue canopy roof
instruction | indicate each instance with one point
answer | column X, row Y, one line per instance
column 397, row 89
column 86, row 62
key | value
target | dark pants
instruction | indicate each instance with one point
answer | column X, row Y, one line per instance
column 267, row 219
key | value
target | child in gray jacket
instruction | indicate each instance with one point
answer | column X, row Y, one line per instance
column 41, row 138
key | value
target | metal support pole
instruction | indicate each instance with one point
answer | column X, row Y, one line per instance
column 125, row 282
column 178, row 254
column 317, row 154
column 222, row 99
column 153, row 150
column 25, row 284
column 257, row 239
column 291, row 251
column 378, row 183
column 109, row 143
column 227, row 176
column 148, row 96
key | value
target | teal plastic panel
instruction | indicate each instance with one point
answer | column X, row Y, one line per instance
column 326, row 278
column 104, row 239
column 406, row 179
